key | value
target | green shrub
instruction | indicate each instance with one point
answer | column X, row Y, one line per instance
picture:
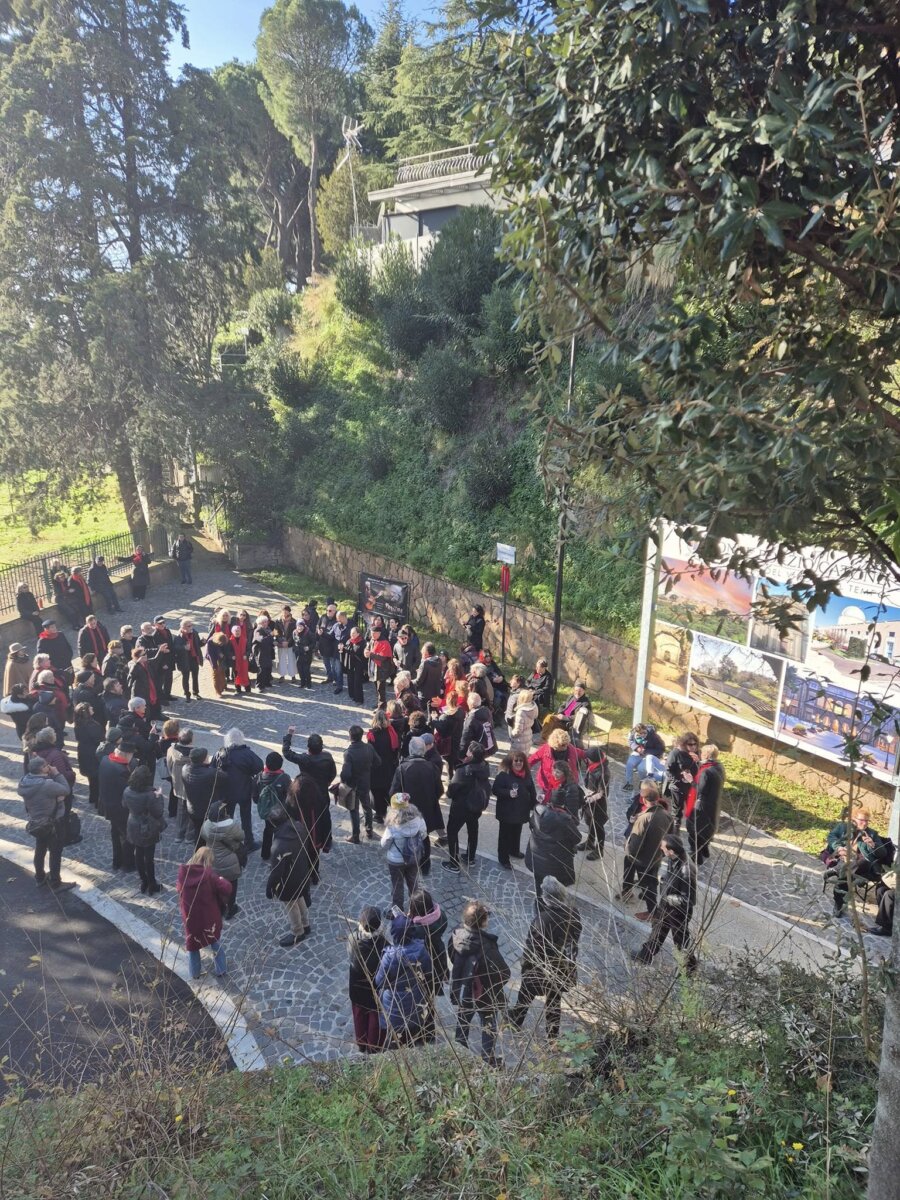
column 502, row 348
column 269, row 311
column 282, row 374
column 489, row 473
column 462, row 266
column 399, row 301
column 353, row 281
column 442, row 386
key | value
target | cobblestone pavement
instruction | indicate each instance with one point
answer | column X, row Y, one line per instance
column 296, row 998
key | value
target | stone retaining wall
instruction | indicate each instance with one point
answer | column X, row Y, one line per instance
column 607, row 666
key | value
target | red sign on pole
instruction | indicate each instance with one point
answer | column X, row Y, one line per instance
column 504, row 579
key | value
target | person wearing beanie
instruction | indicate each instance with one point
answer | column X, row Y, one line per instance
column 268, row 790
column 44, row 794
column 365, row 946
column 17, row 669
column 404, row 839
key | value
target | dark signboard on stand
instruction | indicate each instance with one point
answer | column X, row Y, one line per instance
column 383, row 597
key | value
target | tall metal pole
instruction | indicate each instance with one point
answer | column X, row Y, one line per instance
column 648, row 622
column 561, row 538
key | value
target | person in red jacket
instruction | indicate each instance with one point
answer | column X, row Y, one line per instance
column 202, row 895
column 557, row 748
column 381, row 654
column 238, row 639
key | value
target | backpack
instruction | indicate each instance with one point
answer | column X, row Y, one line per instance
column 411, row 849
column 269, row 799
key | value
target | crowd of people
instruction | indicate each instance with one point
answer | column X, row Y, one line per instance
column 432, row 735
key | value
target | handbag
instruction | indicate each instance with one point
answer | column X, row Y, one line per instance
column 344, row 794
column 70, row 829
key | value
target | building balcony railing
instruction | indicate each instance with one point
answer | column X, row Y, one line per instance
column 455, row 160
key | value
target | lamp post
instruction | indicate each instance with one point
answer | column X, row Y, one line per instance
column 561, row 538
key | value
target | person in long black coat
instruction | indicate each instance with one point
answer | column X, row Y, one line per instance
column 365, row 946
column 89, row 734
column 294, row 871
column 474, row 626
column 263, row 653
column 548, row 961
column 29, row 609
column 681, row 772
column 553, row 842
column 385, row 741
column 703, row 819
column 516, row 796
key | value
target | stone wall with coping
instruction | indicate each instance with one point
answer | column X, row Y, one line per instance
column 607, row 666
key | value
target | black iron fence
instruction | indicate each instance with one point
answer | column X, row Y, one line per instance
column 37, row 573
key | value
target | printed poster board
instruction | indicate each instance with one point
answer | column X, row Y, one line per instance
column 383, row 597
column 714, row 650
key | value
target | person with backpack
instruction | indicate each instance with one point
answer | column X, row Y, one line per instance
column 225, row 838
column 596, row 802
column 478, row 728
column 365, row 947
column 239, row 764
column 146, row 822
column 549, row 958
column 402, row 984
column 294, row 870
column 269, row 790
column 404, row 840
column 478, row 976
column 469, row 793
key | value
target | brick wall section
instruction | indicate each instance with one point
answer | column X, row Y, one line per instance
column 608, row 666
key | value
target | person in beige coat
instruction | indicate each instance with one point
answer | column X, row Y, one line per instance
column 18, row 668
column 524, row 716
column 225, row 837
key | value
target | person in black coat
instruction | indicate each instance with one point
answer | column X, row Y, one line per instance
column 431, row 923
column 93, row 638
column 304, row 647
column 703, row 818
column 56, row 646
column 100, row 582
column 188, row 650
column 163, row 640
column 429, row 680
column 113, row 772
column 353, row 658
column 294, row 871
column 88, row 736
column 554, row 839
column 548, row 961
column 203, row 785
column 365, row 947
column 476, row 727
column 516, row 796
column 542, row 685
column 469, row 793
column 385, row 741
column 416, row 776
column 356, row 772
column 263, row 653
column 239, row 764
column 474, row 626
column 678, row 896
column 140, row 571
column 682, row 766
column 596, row 802
column 28, row 607
column 138, row 729
column 316, row 762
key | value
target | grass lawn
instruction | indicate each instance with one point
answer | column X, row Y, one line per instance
column 104, row 518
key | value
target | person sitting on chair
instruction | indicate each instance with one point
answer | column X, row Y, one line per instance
column 573, row 714
column 855, row 853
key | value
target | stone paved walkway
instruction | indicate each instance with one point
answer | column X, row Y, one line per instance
column 296, row 999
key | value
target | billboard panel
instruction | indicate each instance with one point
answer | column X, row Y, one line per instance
column 383, row 597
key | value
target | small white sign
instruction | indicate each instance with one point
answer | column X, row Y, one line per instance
column 506, row 554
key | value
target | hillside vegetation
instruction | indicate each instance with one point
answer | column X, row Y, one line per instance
column 404, row 421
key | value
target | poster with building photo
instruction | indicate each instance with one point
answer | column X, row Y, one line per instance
column 720, row 643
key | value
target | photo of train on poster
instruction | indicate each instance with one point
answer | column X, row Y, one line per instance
column 713, row 649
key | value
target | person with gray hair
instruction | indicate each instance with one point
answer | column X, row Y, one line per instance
column 44, row 794
column 416, row 776
column 239, row 765
column 549, row 957
column 45, row 746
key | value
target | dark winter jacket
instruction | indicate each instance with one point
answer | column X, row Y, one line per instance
column 44, row 797
column 113, row 774
column 708, row 803
column 57, row 647
column 93, row 641
column 145, row 816
column 475, row 632
column 473, row 728
column 551, row 946
column 202, row 785
column 434, row 927
column 182, row 549
column 429, row 680
column 365, row 951
column 678, row 887
column 238, row 764
column 26, row 603
column 644, row 843
column 321, row 766
column 551, row 847
column 677, row 762
column 479, row 971
column 416, row 776
column 262, row 648
column 514, row 809
column 295, row 863
column 385, row 743
column 359, row 760
column 88, row 736
column 470, row 790
column 407, row 656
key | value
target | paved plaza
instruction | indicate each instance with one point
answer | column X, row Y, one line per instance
column 295, row 1000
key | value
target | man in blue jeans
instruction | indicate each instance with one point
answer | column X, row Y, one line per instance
column 183, row 552
column 327, row 641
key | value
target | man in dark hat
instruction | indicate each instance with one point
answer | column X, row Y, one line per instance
column 55, row 645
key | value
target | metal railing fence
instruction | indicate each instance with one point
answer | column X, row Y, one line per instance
column 37, row 572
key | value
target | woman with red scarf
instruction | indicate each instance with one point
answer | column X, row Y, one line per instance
column 188, row 656
column 701, row 810
column 238, row 639
column 381, row 654
column 140, row 571
column 354, row 662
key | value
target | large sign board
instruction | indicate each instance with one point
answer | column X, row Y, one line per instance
column 835, row 673
column 385, row 597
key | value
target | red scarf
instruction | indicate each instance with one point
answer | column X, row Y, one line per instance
column 691, row 801
column 98, row 641
column 151, row 686
column 85, row 590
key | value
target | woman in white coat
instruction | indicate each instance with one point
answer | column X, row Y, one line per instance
column 524, row 717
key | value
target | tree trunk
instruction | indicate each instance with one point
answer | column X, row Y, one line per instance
column 314, row 255
column 884, row 1152
column 157, row 508
column 128, row 490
